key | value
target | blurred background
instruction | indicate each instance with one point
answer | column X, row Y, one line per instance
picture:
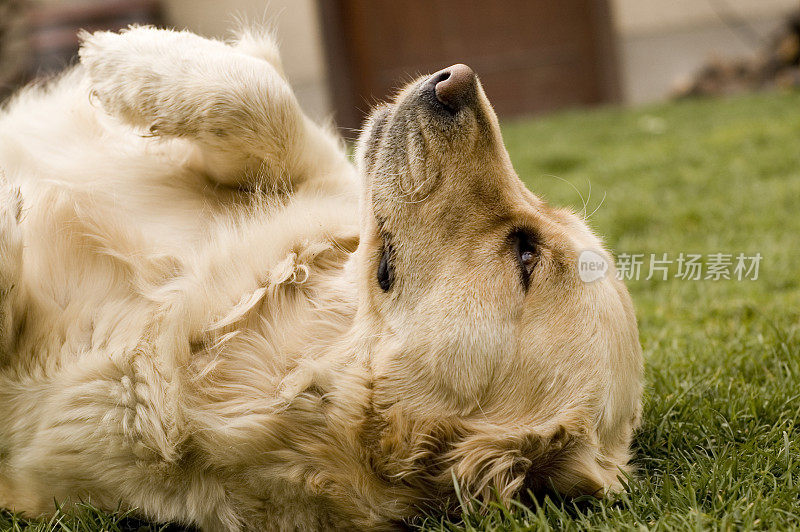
column 532, row 56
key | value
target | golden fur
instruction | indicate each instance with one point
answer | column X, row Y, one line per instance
column 191, row 323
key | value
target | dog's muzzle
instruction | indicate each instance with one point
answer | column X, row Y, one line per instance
column 451, row 89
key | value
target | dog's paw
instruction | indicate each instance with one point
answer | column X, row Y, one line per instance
column 116, row 73
column 180, row 84
column 144, row 73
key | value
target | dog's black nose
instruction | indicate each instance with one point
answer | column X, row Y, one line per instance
column 454, row 86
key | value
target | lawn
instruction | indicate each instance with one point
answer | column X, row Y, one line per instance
column 719, row 447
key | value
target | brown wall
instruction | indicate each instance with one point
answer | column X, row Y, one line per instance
column 531, row 56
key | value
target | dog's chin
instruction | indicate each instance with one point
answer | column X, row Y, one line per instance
column 416, row 122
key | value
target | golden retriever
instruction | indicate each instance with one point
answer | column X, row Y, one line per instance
column 207, row 313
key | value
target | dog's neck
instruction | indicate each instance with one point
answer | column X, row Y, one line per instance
column 398, row 380
column 354, row 421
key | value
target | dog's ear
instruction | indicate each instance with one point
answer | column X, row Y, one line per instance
column 495, row 460
column 490, row 460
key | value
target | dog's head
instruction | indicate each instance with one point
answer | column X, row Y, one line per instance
column 473, row 308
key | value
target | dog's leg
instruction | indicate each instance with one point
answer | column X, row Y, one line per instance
column 10, row 263
column 232, row 101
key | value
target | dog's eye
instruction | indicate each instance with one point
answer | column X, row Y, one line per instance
column 386, row 267
column 527, row 254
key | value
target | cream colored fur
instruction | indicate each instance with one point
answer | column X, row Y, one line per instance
column 191, row 325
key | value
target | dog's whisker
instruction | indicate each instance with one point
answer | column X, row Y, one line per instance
column 598, row 207
column 583, row 201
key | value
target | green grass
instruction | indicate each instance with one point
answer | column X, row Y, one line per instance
column 720, row 443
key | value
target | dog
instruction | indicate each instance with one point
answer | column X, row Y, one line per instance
column 210, row 315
